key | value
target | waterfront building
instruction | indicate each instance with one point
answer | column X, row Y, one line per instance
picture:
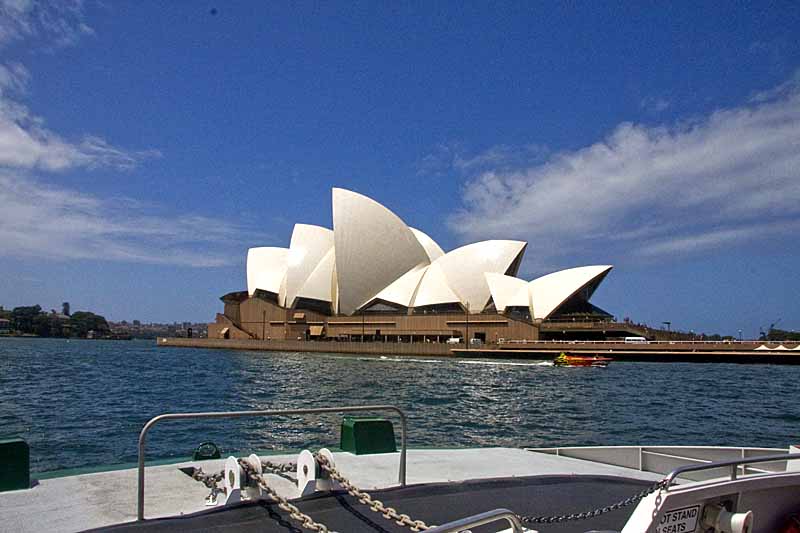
column 374, row 278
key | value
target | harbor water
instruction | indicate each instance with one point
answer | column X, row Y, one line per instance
column 82, row 403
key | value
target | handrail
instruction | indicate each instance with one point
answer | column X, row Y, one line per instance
column 734, row 464
column 280, row 412
column 479, row 520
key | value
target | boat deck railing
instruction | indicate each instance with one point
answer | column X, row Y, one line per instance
column 279, row 412
column 480, row 519
column 652, row 342
column 732, row 466
column 664, row 459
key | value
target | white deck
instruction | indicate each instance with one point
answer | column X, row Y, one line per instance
column 88, row 501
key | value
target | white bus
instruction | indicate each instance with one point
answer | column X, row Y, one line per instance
column 635, row 340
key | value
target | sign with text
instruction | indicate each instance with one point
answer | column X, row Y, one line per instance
column 679, row 520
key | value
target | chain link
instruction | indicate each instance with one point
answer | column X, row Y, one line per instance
column 664, row 483
column 294, row 512
column 212, row 480
column 283, row 468
column 374, row 504
column 209, row 480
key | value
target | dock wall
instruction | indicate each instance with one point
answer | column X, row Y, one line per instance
column 369, row 348
column 694, row 352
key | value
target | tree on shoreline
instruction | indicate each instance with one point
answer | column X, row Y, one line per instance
column 782, row 335
column 22, row 318
column 31, row 320
column 83, row 322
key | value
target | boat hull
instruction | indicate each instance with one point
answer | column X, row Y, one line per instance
column 582, row 361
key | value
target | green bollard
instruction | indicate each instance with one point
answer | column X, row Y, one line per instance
column 364, row 435
column 15, row 465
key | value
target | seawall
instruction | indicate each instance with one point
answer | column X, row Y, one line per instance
column 694, row 352
column 368, row 348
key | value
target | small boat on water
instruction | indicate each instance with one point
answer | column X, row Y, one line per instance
column 564, row 359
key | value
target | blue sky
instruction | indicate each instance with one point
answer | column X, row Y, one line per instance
column 144, row 146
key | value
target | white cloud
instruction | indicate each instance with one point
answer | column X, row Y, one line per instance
column 46, row 221
column 13, row 78
column 727, row 178
column 54, row 223
column 26, row 143
column 500, row 156
column 450, row 156
column 654, row 104
column 783, row 89
column 59, row 23
column 714, row 239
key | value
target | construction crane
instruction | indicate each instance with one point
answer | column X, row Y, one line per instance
column 763, row 335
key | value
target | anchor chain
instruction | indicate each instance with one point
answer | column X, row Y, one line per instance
column 294, row 512
column 283, row 468
column 585, row 515
column 374, row 504
column 212, row 480
column 209, row 480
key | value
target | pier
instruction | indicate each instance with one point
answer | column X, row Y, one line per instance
column 751, row 352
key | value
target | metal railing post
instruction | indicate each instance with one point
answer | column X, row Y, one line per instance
column 480, row 519
column 279, row 412
column 670, row 479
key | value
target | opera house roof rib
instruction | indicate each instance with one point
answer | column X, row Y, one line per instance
column 544, row 295
column 550, row 291
column 266, row 269
column 372, row 258
column 309, row 245
column 373, row 248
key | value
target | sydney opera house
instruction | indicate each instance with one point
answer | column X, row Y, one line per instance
column 373, row 278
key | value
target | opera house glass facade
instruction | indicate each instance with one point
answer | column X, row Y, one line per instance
column 374, row 278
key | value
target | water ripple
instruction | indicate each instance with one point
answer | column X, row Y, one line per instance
column 82, row 403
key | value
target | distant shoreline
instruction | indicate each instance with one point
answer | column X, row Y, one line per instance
column 34, row 336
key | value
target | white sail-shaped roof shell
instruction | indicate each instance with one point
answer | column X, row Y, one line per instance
column 373, row 248
column 433, row 289
column 508, row 291
column 402, row 290
column 308, row 246
column 371, row 254
column 433, row 250
column 550, row 291
column 266, row 269
column 463, row 270
column 320, row 284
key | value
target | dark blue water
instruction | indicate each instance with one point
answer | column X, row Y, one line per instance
column 83, row 403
